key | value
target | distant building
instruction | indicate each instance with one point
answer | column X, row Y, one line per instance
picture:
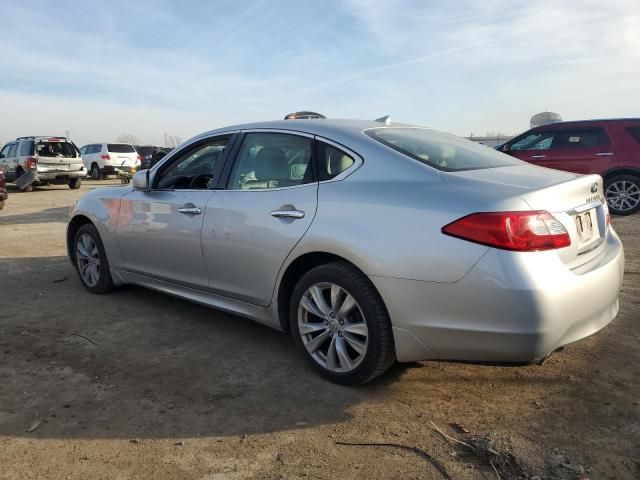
column 544, row 118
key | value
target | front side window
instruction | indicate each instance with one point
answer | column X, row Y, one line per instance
column 332, row 161
column 196, row 169
column 272, row 160
column 588, row 138
column 440, row 150
column 26, row 148
column 534, row 141
column 4, row 153
column 83, row 150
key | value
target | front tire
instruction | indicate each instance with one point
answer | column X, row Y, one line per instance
column 623, row 194
column 341, row 325
column 75, row 183
column 91, row 260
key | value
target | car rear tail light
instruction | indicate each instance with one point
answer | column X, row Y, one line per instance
column 607, row 215
column 139, row 159
column 32, row 163
column 519, row 231
column 105, row 157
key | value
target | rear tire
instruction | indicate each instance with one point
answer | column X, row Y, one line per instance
column 91, row 261
column 74, row 184
column 357, row 342
column 96, row 174
column 623, row 194
column 1, row 204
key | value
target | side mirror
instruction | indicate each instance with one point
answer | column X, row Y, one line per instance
column 505, row 148
column 140, row 180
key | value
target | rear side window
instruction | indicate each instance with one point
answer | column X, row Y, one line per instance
column 272, row 160
column 12, row 150
column 26, row 148
column 584, row 138
column 634, row 132
column 120, row 148
column 440, row 150
column 331, row 161
column 56, row 149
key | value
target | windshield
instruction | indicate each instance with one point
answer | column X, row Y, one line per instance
column 120, row 148
column 56, row 149
column 440, row 150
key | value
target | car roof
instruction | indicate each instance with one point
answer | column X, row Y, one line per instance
column 322, row 127
column 590, row 123
column 41, row 137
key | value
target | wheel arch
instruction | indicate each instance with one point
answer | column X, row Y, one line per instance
column 621, row 171
column 74, row 224
column 295, row 270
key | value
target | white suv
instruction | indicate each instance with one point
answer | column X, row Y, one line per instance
column 102, row 159
column 42, row 160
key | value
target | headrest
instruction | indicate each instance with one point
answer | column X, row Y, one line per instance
column 338, row 162
column 272, row 164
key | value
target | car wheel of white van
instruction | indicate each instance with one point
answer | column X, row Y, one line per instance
column 91, row 260
column 623, row 194
column 74, row 184
column 341, row 325
column 95, row 172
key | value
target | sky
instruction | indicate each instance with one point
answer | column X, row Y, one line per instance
column 146, row 68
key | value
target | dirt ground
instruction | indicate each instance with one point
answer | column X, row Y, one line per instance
column 136, row 384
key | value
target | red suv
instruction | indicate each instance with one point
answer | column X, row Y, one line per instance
column 610, row 148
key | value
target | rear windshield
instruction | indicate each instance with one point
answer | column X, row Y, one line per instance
column 440, row 150
column 120, row 148
column 56, row 149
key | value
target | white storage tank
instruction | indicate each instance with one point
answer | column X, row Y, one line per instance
column 545, row 118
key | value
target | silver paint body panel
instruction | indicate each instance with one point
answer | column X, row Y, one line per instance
column 447, row 298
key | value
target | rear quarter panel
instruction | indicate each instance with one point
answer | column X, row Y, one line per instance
column 387, row 216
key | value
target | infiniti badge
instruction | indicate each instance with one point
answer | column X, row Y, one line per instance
column 594, row 188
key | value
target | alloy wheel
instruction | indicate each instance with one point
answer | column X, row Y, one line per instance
column 88, row 260
column 95, row 172
column 332, row 326
column 623, row 195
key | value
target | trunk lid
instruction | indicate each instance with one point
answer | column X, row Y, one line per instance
column 122, row 155
column 576, row 201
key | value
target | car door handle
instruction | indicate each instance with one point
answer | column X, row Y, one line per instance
column 604, row 154
column 190, row 210
column 538, row 156
column 287, row 214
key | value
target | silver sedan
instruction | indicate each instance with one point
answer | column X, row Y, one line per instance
column 370, row 242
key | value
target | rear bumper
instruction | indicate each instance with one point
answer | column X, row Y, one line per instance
column 61, row 176
column 511, row 307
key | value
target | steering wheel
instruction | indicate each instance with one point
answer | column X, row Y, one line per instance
column 200, row 181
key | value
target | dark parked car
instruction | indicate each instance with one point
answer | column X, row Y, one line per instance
column 610, row 148
column 151, row 155
column 3, row 189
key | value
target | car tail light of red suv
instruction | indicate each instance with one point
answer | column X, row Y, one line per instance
column 610, row 148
